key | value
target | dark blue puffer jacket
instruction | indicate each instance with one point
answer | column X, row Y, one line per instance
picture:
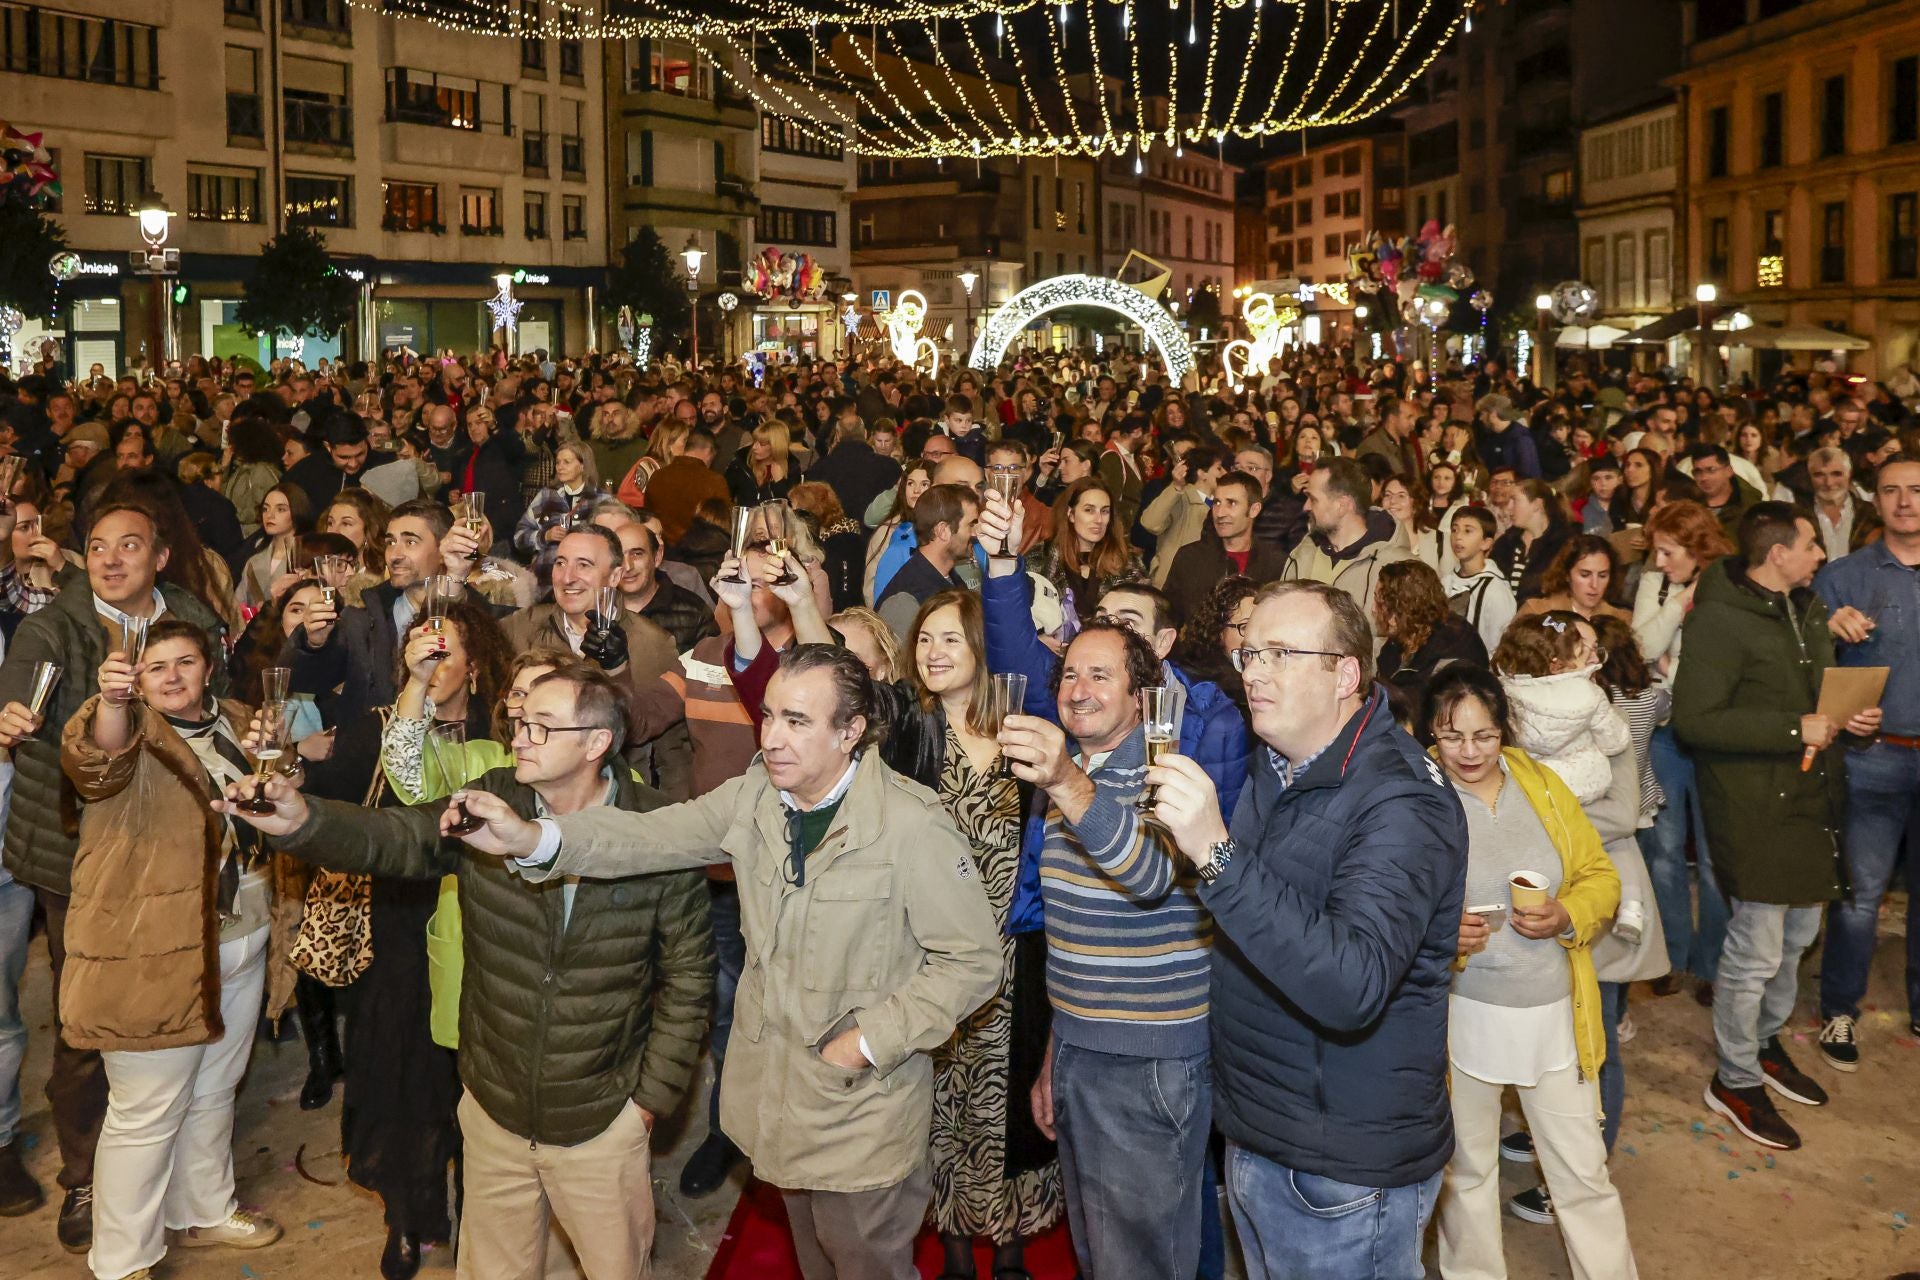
column 1335, row 928
column 1212, row 733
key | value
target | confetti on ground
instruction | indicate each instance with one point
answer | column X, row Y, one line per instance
column 1866, row 1177
column 1732, row 1174
column 1751, row 1169
column 316, row 1224
column 248, row 1272
column 1628, row 1148
column 1899, row 1221
column 1769, row 1160
column 1699, row 1126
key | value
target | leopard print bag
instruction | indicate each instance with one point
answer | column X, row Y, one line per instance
column 335, row 942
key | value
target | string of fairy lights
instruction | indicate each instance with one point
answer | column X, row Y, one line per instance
column 930, row 78
column 876, row 89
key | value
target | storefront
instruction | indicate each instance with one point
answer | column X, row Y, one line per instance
column 782, row 332
column 429, row 307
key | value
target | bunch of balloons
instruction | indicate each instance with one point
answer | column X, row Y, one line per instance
column 26, row 167
column 1421, row 271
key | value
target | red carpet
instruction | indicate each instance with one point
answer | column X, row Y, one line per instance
column 759, row 1246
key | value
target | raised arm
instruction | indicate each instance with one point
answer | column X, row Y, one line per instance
column 1012, row 643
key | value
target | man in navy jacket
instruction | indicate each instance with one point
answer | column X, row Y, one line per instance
column 1336, row 898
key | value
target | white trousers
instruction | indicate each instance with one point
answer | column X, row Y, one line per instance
column 165, row 1159
column 1563, row 1115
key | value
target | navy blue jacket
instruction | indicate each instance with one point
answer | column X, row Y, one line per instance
column 1513, row 447
column 1335, row 928
column 1212, row 733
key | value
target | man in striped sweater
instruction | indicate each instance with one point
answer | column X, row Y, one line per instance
column 1125, row 1088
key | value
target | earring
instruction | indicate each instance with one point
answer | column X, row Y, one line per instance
column 473, row 682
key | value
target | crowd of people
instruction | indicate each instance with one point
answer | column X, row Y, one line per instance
column 1046, row 793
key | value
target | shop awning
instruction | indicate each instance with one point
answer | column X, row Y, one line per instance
column 1674, row 324
column 1595, row 337
column 1796, row 337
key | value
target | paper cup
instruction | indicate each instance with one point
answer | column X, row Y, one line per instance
column 1528, row 888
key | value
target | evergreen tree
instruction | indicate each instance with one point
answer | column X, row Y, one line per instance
column 652, row 282
column 296, row 291
column 28, row 241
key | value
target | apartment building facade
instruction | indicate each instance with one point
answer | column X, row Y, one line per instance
column 1324, row 202
column 432, row 162
column 1802, row 189
column 1629, row 190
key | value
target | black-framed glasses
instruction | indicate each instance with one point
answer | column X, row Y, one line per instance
column 537, row 733
column 1239, row 629
column 1273, row 655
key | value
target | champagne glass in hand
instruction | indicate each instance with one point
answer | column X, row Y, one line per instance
column 1007, row 697
column 1156, row 718
column 448, row 745
column 778, row 518
column 742, row 534
column 473, row 514
column 271, row 746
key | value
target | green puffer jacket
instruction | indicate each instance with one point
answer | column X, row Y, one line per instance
column 1754, row 662
column 560, row 1023
column 43, row 826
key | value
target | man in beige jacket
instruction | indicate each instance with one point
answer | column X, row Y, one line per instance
column 868, row 939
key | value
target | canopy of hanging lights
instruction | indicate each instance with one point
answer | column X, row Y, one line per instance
column 618, row 19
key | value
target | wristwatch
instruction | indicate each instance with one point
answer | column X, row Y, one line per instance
column 1222, row 853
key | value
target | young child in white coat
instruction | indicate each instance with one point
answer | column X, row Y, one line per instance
column 1562, row 718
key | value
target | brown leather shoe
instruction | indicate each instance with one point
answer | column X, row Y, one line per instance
column 1665, row 985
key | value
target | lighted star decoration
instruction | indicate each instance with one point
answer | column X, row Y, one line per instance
column 850, row 320
column 504, row 307
column 1022, row 83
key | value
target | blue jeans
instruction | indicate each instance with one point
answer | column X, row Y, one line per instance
column 16, row 926
column 1883, row 815
column 1759, row 982
column 1133, row 1145
column 1664, row 845
column 1295, row 1225
column 729, row 958
column 1613, row 1072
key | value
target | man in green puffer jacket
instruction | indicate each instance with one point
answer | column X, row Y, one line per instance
column 583, row 1003
column 1772, row 790
column 125, row 555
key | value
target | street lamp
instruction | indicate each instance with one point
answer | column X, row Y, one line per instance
column 967, row 280
column 1704, row 295
column 154, row 218
column 1542, row 305
column 693, row 254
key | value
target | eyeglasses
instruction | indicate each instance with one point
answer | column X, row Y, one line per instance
column 1240, row 629
column 537, row 733
column 1274, row 655
column 1484, row 741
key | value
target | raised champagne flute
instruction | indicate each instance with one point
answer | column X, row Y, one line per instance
column 10, row 467
column 275, row 684
column 434, row 603
column 275, row 719
column 606, row 606
column 778, row 521
column 448, row 743
column 742, row 535
column 45, row 676
column 1005, row 481
column 1156, row 719
column 473, row 514
column 1008, row 695
column 133, row 641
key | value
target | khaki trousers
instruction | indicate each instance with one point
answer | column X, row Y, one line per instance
column 600, row 1190
column 860, row 1235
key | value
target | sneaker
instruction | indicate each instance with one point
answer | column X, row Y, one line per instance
column 1837, row 1043
column 1517, row 1147
column 1788, row 1080
column 1625, row 1030
column 1753, row 1114
column 1534, row 1204
column 74, row 1228
column 243, row 1229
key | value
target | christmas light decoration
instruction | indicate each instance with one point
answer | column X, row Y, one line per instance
column 1007, row 321
column 903, row 333
column 1268, row 323
column 503, row 306
column 1523, row 350
column 910, row 90
column 11, row 322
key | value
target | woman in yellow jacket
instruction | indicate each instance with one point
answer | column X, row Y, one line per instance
column 1525, row 1009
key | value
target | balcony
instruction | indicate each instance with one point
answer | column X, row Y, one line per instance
column 398, row 222
column 1530, row 209
column 322, row 127
column 533, row 154
column 328, row 20
column 481, row 228
column 734, row 187
column 1543, row 138
column 244, row 124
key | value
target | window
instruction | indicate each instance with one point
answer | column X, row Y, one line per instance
column 678, row 68
column 573, row 217
column 1036, row 208
column 1773, row 231
column 1903, row 100
column 1420, row 214
column 533, row 49
column 1719, row 247
column 1389, row 198
column 1773, row 130
column 318, row 200
column 1189, row 237
column 1330, row 244
column 572, row 59
column 243, row 94
column 317, row 15
column 411, row 206
column 1476, row 134
column 480, row 211
column 1659, row 269
column 1833, row 115
column 1350, row 161
column 1039, row 263
column 1903, row 243
column 1719, row 131
column 1350, row 203
column 1626, row 271
column 1330, row 165
column 1113, row 220
column 450, row 102
column 1080, row 207
column 1330, row 204
column 533, row 136
column 115, row 184
column 1303, row 249
column 314, row 102
column 573, row 146
column 1477, row 198
column 797, row 138
column 778, row 225
column 536, row 215
column 1557, row 186
column 1833, row 242
column 223, row 195
column 1303, row 213
column 71, row 46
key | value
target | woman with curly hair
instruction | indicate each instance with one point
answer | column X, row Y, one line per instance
column 1420, row 634
column 1218, row 627
column 361, row 518
column 842, row 541
column 1089, row 553
column 1579, row 580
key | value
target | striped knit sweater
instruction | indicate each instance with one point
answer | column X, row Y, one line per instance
column 1129, row 947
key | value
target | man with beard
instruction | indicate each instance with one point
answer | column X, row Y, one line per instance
column 1227, row 548
column 728, row 435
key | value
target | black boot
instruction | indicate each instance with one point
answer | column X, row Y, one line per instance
column 19, row 1193
column 324, row 1066
column 709, row 1165
column 401, row 1258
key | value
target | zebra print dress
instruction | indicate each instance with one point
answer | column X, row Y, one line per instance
column 974, row 1194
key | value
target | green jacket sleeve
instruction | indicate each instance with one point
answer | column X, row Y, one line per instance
column 1704, row 714
column 403, row 843
column 682, row 994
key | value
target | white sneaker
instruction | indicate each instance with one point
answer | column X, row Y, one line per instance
column 243, row 1229
column 1626, row 1030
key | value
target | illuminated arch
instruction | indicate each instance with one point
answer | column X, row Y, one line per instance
column 1023, row 308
